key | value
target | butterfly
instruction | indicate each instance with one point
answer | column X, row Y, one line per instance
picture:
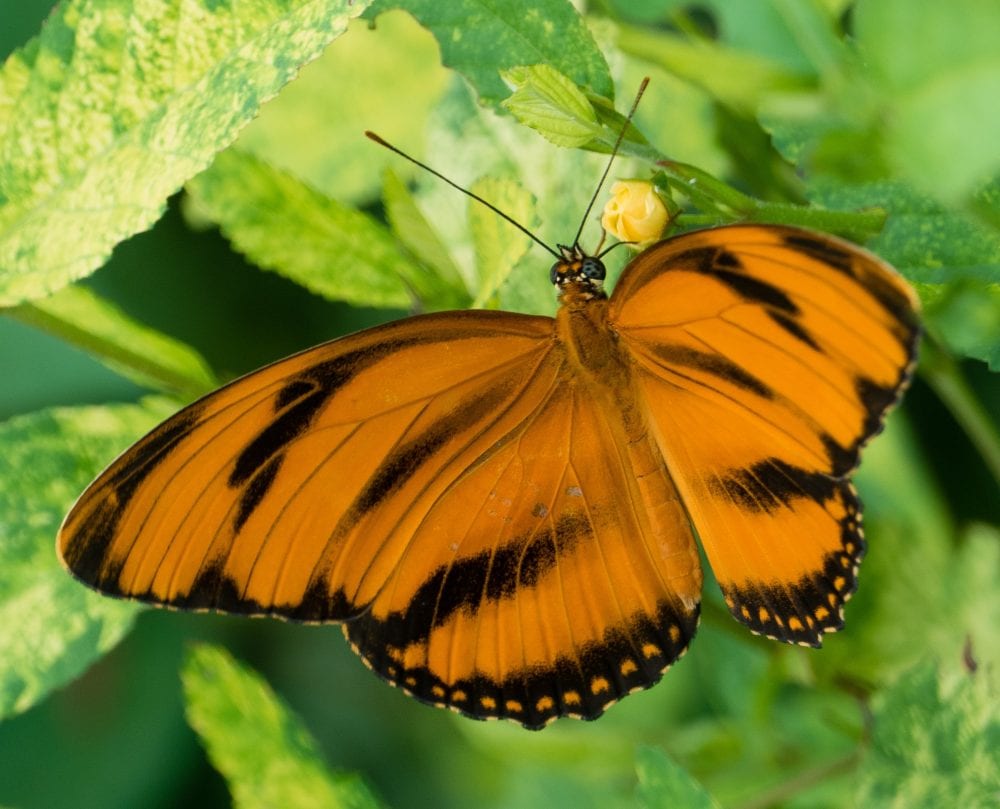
column 501, row 508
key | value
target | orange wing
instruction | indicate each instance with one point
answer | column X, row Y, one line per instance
column 550, row 578
column 493, row 542
column 251, row 499
column 766, row 357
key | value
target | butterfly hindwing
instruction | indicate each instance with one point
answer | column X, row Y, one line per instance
column 546, row 579
column 767, row 356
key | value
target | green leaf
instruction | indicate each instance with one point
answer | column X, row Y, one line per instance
column 922, row 239
column 937, row 67
column 934, row 742
column 480, row 38
column 283, row 225
column 967, row 317
column 663, row 784
column 907, row 45
column 916, row 565
column 737, row 78
column 116, row 104
column 148, row 357
column 801, row 36
column 411, row 227
column 552, row 105
column 54, row 627
column 498, row 245
column 261, row 748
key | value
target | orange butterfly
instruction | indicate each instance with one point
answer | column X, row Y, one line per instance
column 501, row 508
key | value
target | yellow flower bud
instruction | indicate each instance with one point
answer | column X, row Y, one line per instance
column 635, row 212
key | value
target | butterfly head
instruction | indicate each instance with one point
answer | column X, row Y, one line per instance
column 577, row 269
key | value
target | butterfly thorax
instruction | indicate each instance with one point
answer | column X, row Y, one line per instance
column 591, row 345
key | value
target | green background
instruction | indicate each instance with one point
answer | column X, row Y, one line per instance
column 844, row 105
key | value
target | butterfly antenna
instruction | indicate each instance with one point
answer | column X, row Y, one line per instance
column 614, row 154
column 607, row 250
column 466, row 191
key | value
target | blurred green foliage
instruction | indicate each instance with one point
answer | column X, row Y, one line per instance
column 262, row 749
column 841, row 115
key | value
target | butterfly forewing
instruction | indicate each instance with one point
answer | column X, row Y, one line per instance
column 767, row 356
column 244, row 500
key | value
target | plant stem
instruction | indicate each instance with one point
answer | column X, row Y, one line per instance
column 801, row 782
column 724, row 203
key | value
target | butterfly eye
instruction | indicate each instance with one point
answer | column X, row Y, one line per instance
column 593, row 268
column 555, row 272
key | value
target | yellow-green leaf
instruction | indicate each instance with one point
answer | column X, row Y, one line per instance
column 284, row 225
column 54, row 627
column 552, row 105
column 148, row 357
column 261, row 748
column 116, row 103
